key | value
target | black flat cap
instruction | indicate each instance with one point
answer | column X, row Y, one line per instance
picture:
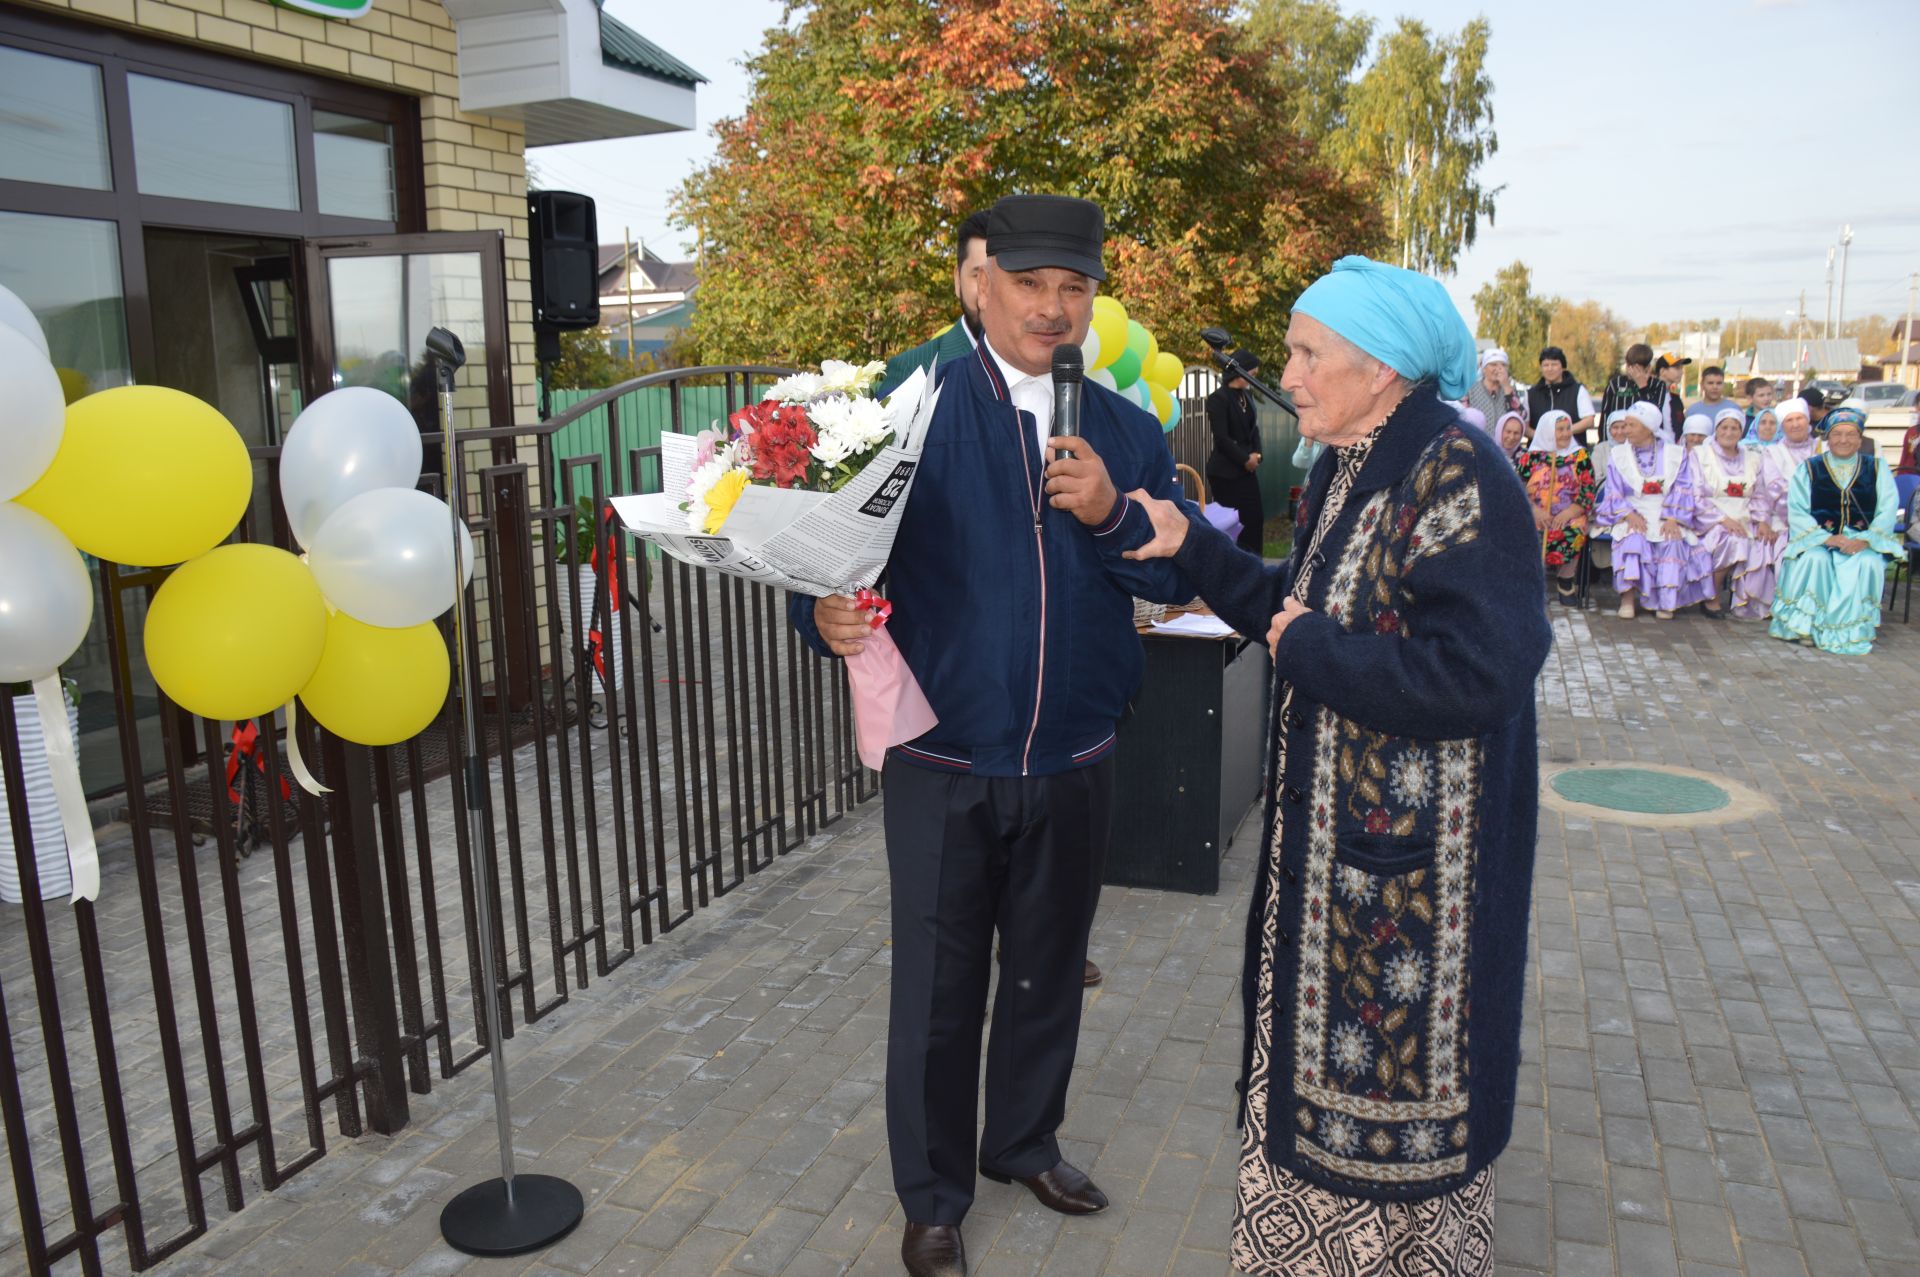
column 1244, row 362
column 1027, row 232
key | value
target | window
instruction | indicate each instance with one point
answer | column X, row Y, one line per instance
column 353, row 159
column 197, row 143
column 67, row 270
column 53, row 122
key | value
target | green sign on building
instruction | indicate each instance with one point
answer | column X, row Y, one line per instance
column 329, row 8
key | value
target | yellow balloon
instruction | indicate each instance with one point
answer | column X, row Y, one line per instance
column 1162, row 402
column 236, row 632
column 378, row 686
column 145, row 476
column 1105, row 304
column 1166, row 370
column 1153, row 353
column 1111, row 328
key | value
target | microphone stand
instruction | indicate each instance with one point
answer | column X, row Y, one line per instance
column 1279, row 398
column 512, row 1214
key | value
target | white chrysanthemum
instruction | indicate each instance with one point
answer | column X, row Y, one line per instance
column 847, row 427
column 1421, row 1141
column 1406, row 976
column 1340, row 1135
column 1413, row 778
column 701, row 481
column 838, row 377
column 1356, row 884
column 798, row 388
column 1351, row 1051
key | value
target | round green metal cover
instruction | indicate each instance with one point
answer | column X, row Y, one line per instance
column 1639, row 790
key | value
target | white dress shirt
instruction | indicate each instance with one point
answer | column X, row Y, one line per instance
column 1031, row 393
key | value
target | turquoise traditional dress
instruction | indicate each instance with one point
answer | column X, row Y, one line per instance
column 1826, row 597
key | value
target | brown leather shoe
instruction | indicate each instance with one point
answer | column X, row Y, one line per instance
column 1093, row 975
column 1065, row 1188
column 933, row 1250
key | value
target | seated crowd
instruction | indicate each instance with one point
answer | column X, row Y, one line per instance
column 1762, row 511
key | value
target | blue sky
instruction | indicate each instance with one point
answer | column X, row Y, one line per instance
column 1684, row 159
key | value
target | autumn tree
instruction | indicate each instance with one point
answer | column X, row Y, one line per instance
column 1594, row 338
column 1312, row 52
column 1512, row 316
column 1420, row 122
column 874, row 126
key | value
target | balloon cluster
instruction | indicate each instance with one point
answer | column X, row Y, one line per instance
column 149, row 477
column 1123, row 356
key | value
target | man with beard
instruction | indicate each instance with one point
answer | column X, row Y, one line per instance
column 961, row 337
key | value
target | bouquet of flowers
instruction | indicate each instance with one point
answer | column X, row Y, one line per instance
column 814, row 431
column 805, row 490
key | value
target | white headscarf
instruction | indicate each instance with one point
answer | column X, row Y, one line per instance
column 1494, row 355
column 1652, row 418
column 1697, row 423
column 1781, row 411
column 1546, row 436
column 1500, row 427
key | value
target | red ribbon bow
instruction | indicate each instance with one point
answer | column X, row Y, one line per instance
column 871, row 602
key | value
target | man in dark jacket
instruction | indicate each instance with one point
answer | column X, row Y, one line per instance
column 1233, row 468
column 1013, row 606
column 1638, row 384
column 958, row 341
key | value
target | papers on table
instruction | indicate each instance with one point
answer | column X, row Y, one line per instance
column 1194, row 625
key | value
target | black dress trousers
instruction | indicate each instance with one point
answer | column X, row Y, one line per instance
column 969, row 856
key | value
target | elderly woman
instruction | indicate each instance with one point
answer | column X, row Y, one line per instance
column 1648, row 502
column 1735, row 518
column 1511, row 434
column 1493, row 392
column 1387, row 941
column 1561, row 486
column 1763, row 430
column 1840, row 512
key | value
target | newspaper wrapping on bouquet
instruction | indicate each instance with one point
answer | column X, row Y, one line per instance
column 809, row 541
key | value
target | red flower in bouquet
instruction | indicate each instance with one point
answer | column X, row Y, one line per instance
column 1555, row 558
column 1651, row 488
column 1736, row 489
column 780, row 437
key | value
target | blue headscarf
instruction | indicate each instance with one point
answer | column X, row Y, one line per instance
column 1400, row 317
column 1752, row 438
column 1844, row 416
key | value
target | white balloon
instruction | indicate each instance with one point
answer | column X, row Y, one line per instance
column 15, row 313
column 1104, row 377
column 46, row 597
column 33, row 413
column 347, row 442
column 1090, row 350
column 386, row 557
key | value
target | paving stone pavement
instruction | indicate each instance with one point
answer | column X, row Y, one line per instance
column 1721, row 1067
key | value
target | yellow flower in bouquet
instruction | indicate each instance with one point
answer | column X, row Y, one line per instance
column 721, row 497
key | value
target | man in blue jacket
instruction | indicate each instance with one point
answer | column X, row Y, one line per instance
column 1013, row 606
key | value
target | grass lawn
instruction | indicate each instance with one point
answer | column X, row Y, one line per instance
column 1278, row 536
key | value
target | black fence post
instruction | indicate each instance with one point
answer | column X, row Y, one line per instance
column 363, row 932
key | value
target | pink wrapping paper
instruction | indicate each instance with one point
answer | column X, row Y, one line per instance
column 888, row 706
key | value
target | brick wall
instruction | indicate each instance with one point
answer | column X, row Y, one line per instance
column 475, row 165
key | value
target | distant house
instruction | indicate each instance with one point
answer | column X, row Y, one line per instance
column 655, row 293
column 1899, row 367
column 1795, row 361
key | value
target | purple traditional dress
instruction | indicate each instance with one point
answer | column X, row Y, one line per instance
column 1735, row 487
column 1657, row 483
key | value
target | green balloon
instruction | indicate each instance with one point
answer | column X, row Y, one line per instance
column 1126, row 369
column 1139, row 340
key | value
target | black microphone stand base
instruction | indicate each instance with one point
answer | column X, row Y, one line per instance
column 482, row 1221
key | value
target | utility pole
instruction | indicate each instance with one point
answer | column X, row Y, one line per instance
column 1906, row 333
column 1800, row 360
column 1846, row 242
column 626, row 269
column 1826, row 329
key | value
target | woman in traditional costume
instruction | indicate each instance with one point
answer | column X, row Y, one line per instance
column 1386, row 950
column 1736, row 520
column 1561, row 484
column 1840, row 513
column 1649, row 504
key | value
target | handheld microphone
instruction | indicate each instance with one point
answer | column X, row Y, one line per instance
column 1069, row 370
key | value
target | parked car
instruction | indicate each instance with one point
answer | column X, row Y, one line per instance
column 1868, row 395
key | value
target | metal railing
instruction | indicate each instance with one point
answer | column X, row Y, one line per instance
column 198, row 1033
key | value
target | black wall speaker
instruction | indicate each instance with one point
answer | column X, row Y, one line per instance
column 565, row 253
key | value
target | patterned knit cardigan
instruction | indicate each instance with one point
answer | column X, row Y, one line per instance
column 1410, row 802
